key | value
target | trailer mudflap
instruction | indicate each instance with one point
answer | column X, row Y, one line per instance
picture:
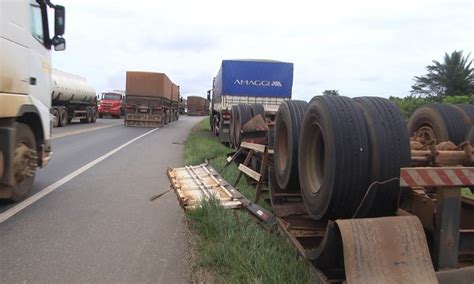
column 386, row 250
column 144, row 120
column 195, row 183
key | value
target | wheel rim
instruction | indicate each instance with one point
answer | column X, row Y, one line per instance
column 315, row 158
column 23, row 162
column 282, row 157
column 425, row 133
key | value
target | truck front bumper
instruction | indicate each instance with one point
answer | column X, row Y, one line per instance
column 109, row 111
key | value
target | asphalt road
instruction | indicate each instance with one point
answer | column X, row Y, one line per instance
column 97, row 223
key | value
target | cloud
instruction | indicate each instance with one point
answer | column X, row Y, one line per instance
column 358, row 47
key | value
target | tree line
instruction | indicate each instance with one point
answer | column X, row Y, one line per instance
column 450, row 81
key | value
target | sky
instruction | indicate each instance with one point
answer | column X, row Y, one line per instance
column 360, row 48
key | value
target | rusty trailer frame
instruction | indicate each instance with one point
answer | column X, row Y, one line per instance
column 431, row 239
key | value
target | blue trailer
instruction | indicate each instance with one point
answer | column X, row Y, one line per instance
column 265, row 82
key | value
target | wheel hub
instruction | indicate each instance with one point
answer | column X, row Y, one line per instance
column 24, row 162
column 425, row 134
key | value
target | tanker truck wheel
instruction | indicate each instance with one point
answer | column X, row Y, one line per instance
column 288, row 124
column 24, row 162
column 438, row 122
column 333, row 158
column 63, row 120
column 94, row 116
column 89, row 116
column 389, row 151
column 56, row 118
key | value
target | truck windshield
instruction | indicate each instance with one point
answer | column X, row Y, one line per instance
column 108, row 96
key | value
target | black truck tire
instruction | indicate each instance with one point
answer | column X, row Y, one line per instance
column 244, row 112
column 233, row 117
column 63, row 119
column 470, row 136
column 467, row 110
column 215, row 126
column 333, row 158
column 258, row 109
column 94, row 115
column 389, row 151
column 221, row 130
column 89, row 116
column 56, row 117
column 440, row 122
column 273, row 186
column 289, row 119
column 24, row 137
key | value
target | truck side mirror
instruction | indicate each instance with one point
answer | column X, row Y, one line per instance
column 59, row 43
column 59, row 20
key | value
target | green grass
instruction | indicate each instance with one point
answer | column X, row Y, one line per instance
column 200, row 145
column 230, row 244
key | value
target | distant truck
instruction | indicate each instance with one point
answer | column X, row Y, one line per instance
column 151, row 99
column 112, row 103
column 25, row 90
column 175, row 98
column 263, row 82
column 197, row 106
column 72, row 98
column 182, row 105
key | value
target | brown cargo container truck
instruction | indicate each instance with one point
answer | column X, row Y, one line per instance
column 175, row 102
column 148, row 99
column 197, row 106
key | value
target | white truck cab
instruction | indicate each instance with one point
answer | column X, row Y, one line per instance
column 25, row 90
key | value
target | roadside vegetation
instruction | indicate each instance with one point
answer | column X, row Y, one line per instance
column 450, row 81
column 230, row 244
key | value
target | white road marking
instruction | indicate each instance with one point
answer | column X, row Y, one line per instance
column 47, row 190
column 74, row 132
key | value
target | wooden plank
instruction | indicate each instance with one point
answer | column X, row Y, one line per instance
column 192, row 184
column 253, row 146
column 251, row 173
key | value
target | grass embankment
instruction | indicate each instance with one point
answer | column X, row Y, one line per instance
column 230, row 244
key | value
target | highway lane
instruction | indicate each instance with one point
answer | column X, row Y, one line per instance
column 75, row 125
column 73, row 151
column 100, row 226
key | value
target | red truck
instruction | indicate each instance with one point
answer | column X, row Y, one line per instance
column 112, row 104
